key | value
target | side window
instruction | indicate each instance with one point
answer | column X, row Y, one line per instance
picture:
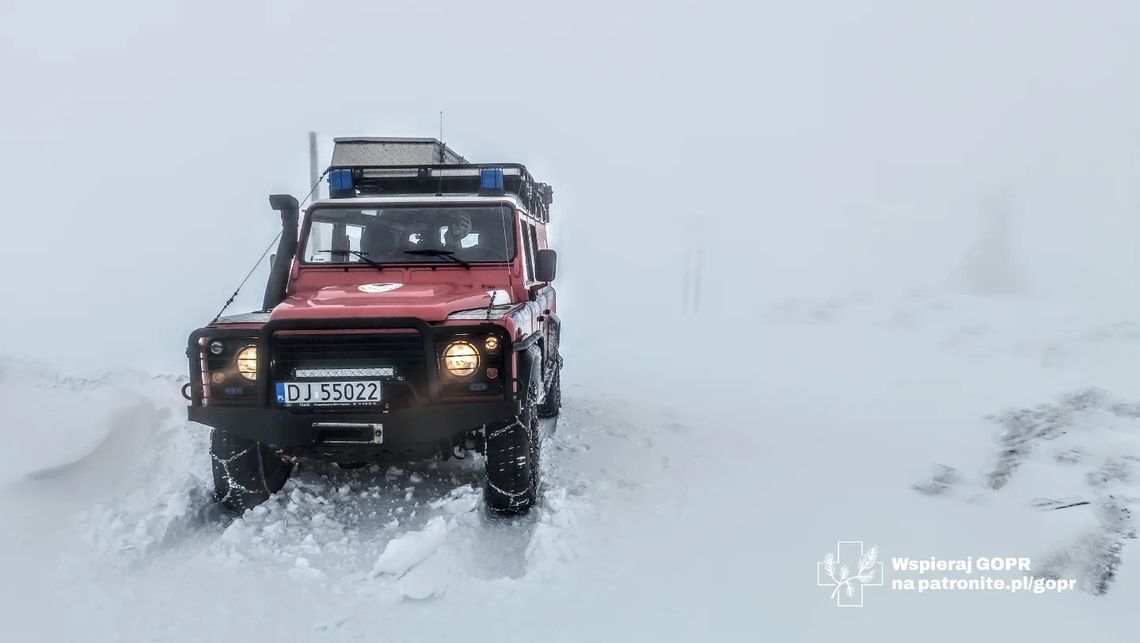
column 528, row 252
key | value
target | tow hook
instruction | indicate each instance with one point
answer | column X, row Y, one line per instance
column 186, row 391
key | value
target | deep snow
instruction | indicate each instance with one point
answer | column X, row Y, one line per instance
column 691, row 487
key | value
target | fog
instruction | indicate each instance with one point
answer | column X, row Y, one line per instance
column 824, row 148
column 909, row 217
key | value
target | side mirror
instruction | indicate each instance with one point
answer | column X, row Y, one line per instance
column 545, row 265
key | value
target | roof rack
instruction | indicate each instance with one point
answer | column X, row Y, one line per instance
column 368, row 151
column 374, row 166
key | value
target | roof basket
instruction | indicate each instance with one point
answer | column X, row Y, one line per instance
column 362, row 152
column 402, row 166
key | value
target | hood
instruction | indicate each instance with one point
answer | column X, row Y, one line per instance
column 429, row 302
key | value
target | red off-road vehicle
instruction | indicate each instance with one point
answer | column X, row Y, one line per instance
column 408, row 315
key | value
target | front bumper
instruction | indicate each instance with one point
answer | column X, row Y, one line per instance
column 401, row 429
column 432, row 419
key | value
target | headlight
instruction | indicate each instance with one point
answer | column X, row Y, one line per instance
column 217, row 347
column 247, row 362
column 460, row 359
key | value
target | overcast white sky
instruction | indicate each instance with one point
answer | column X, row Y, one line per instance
column 825, row 147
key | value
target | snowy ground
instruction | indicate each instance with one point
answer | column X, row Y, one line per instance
column 691, row 487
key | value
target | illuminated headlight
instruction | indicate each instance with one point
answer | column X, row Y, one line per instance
column 247, row 362
column 460, row 359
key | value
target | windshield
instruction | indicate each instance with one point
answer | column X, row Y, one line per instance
column 411, row 234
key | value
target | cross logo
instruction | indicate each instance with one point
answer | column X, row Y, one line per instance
column 835, row 571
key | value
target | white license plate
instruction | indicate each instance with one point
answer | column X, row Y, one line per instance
column 350, row 393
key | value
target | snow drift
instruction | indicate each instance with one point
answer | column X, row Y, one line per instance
column 686, row 494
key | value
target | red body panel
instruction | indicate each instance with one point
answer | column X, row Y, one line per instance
column 429, row 293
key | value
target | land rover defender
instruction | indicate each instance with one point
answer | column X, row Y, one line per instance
column 408, row 315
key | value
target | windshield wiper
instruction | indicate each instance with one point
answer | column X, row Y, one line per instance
column 356, row 253
column 435, row 252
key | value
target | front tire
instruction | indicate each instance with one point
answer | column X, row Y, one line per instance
column 551, row 404
column 246, row 473
column 513, row 451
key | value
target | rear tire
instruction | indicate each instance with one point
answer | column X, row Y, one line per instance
column 551, row 404
column 246, row 473
column 513, row 451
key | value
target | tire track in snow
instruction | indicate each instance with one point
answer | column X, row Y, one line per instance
column 1087, row 433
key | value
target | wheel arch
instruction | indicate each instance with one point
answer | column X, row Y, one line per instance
column 529, row 371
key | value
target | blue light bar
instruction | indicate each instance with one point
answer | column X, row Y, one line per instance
column 491, row 179
column 340, row 179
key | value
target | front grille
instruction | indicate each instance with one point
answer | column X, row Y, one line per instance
column 402, row 351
